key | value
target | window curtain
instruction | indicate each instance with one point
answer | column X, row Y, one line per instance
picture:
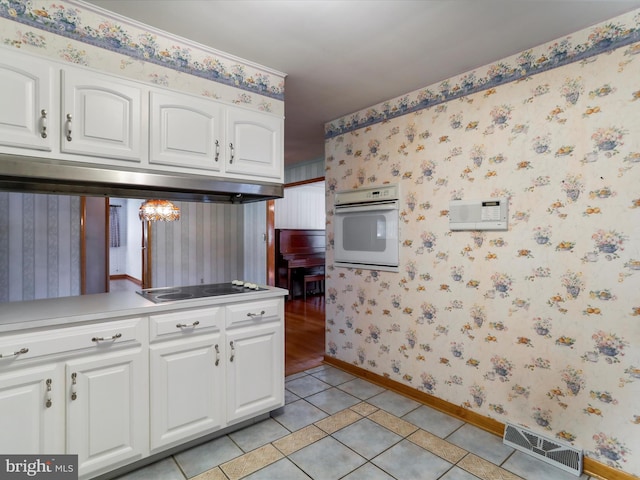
column 114, row 225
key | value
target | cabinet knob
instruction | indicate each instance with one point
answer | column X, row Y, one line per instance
column 69, row 118
column 43, row 123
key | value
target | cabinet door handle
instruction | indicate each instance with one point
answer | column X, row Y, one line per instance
column 14, row 354
column 217, row 355
column 233, row 352
column 69, row 118
column 74, row 394
column 49, row 402
column 102, row 339
column 217, row 150
column 186, row 325
column 232, row 152
column 251, row 314
column 43, row 123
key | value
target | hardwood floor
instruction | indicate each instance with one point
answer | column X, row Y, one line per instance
column 304, row 333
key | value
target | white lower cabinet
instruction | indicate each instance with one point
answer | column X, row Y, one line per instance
column 32, row 407
column 107, row 416
column 114, row 392
column 255, row 377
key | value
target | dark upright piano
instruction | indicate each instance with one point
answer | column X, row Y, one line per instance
column 298, row 253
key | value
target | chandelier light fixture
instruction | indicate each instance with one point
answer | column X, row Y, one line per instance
column 159, row 210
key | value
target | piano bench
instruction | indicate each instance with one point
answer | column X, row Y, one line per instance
column 319, row 278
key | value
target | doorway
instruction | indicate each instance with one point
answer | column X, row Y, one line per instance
column 126, row 244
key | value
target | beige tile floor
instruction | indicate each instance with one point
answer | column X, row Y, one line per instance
column 337, row 426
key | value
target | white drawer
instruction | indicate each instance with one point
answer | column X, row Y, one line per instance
column 165, row 326
column 249, row 313
column 96, row 336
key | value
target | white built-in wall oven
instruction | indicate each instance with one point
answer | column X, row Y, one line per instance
column 366, row 228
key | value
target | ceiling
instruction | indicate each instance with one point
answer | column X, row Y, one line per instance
column 341, row 56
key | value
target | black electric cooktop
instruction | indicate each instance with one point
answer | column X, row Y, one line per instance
column 171, row 294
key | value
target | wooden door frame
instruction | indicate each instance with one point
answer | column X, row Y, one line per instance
column 83, row 244
column 271, row 230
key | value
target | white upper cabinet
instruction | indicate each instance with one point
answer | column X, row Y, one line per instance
column 185, row 131
column 25, row 97
column 255, row 144
column 101, row 116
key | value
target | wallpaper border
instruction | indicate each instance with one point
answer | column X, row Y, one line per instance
column 604, row 37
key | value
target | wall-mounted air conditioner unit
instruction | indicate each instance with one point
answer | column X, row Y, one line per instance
column 488, row 214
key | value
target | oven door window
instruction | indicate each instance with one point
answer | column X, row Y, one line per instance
column 365, row 233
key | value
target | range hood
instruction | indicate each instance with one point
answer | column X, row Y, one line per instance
column 34, row 175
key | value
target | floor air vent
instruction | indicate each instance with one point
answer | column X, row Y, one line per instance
column 548, row 450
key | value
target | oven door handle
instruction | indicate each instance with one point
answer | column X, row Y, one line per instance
column 365, row 207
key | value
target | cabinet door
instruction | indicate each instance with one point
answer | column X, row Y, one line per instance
column 187, row 386
column 25, row 97
column 255, row 377
column 101, row 116
column 32, row 410
column 107, row 416
column 254, row 144
column 185, row 131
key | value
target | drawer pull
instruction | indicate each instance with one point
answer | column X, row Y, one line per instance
column 43, row 129
column 217, row 355
column 74, row 394
column 186, row 325
column 69, row 119
column 217, row 150
column 233, row 352
column 251, row 315
column 233, row 153
column 102, row 339
column 14, row 354
column 49, row 402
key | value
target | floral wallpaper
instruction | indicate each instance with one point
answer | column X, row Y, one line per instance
column 538, row 325
column 83, row 34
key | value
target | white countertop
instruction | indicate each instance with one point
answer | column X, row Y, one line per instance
column 17, row 316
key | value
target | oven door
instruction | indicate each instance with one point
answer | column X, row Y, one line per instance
column 366, row 236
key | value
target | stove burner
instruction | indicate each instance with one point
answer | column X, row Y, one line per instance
column 174, row 296
column 159, row 295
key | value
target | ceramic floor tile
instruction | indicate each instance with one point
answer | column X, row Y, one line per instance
column 300, row 439
column 458, row 474
column 332, row 400
column 433, row 421
column 333, row 376
column 442, row 448
column 206, row 456
column 484, row 444
column 361, row 388
column 293, row 376
column 406, row 461
column 327, row 459
column 251, row 462
column 368, row 471
column 305, row 386
column 165, row 469
column 259, row 434
column 297, row 415
column 317, row 369
column 486, row 470
column 290, row 397
column 213, row 474
column 393, row 423
column 367, row 438
column 337, row 421
column 364, row 408
column 283, row 469
column 523, row 465
column 393, row 403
